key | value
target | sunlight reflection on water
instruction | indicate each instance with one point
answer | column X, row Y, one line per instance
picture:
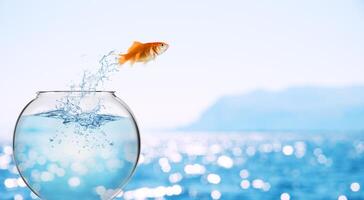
column 231, row 166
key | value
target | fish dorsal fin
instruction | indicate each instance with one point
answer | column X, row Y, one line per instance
column 134, row 45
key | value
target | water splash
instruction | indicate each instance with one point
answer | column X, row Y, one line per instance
column 69, row 108
column 86, row 119
column 92, row 80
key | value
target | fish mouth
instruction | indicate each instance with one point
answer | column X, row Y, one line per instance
column 161, row 49
column 165, row 47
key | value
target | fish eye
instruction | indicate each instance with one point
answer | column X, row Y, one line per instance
column 162, row 45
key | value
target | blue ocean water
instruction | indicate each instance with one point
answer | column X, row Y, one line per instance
column 252, row 165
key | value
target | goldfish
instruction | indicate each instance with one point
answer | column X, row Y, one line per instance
column 143, row 52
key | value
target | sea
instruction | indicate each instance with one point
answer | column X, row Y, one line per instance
column 254, row 165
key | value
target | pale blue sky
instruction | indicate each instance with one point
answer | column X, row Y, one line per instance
column 216, row 48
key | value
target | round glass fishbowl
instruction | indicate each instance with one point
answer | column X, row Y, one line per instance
column 76, row 145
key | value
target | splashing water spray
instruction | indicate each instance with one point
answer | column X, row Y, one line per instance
column 69, row 108
column 81, row 143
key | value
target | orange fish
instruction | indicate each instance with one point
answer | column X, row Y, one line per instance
column 143, row 52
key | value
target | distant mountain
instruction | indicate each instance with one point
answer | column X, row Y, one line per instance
column 303, row 108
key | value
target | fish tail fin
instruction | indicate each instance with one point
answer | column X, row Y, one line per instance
column 122, row 59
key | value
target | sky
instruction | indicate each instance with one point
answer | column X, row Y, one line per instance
column 216, row 48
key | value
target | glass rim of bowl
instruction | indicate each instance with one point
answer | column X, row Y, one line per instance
column 74, row 91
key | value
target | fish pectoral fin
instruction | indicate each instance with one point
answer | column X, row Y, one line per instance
column 152, row 54
column 134, row 45
column 132, row 61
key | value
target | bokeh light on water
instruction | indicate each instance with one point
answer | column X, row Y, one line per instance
column 280, row 166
